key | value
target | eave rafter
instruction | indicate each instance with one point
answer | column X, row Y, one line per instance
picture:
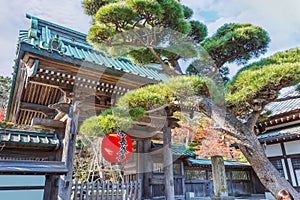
column 277, row 121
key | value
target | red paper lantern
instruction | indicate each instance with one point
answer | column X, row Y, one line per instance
column 116, row 147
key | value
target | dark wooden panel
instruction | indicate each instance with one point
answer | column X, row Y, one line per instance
column 22, row 188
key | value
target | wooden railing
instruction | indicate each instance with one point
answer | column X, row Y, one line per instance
column 106, row 190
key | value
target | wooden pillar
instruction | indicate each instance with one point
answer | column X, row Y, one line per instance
column 148, row 169
column 48, row 186
column 219, row 176
column 51, row 182
column 51, row 189
column 230, row 183
column 65, row 182
column 140, row 165
column 183, row 177
column 168, row 164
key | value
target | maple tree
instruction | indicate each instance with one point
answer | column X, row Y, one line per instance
column 205, row 140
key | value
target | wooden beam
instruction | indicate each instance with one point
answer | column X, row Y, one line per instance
column 20, row 84
column 38, row 108
column 6, row 188
column 60, row 107
column 32, row 167
column 125, row 80
column 51, row 83
column 47, row 123
column 32, row 67
column 65, row 182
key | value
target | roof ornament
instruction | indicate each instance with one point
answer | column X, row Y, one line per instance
column 33, row 30
column 56, row 44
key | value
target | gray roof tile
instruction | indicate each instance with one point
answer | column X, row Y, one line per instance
column 286, row 132
column 278, row 108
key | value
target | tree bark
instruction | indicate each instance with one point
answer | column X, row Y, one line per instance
column 265, row 170
column 250, row 147
column 219, row 176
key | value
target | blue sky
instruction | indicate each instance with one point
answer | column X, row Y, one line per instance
column 280, row 18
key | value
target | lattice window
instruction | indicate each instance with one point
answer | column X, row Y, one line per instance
column 278, row 165
column 240, row 175
column 176, row 169
column 158, row 167
column 195, row 174
column 296, row 163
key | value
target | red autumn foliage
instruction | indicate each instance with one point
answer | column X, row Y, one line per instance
column 2, row 115
column 207, row 141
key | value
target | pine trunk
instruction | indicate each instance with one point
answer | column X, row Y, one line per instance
column 251, row 148
column 264, row 169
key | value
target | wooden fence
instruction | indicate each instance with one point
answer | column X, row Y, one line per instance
column 106, row 190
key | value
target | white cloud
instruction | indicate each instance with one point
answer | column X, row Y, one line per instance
column 281, row 19
column 12, row 19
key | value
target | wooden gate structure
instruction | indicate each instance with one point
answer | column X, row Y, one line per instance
column 58, row 81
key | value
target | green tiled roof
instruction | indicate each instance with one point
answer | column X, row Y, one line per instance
column 182, row 151
column 29, row 138
column 179, row 150
column 67, row 43
column 57, row 42
column 204, row 161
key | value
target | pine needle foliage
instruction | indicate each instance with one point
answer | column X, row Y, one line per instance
column 134, row 104
column 178, row 89
column 269, row 74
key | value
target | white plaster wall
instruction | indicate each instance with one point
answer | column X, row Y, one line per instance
column 298, row 176
column 292, row 147
column 284, row 169
column 273, row 150
column 292, row 172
